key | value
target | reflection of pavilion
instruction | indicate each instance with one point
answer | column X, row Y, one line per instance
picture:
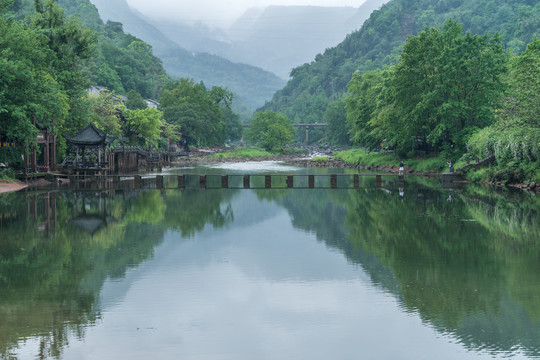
column 42, row 207
column 90, row 151
column 91, row 213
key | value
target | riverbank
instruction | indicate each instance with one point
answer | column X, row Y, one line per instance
column 305, row 160
column 11, row 186
column 376, row 162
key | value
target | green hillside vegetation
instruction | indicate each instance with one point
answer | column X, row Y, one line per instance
column 378, row 43
column 49, row 60
column 457, row 90
column 120, row 62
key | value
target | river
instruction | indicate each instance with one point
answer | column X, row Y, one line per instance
column 418, row 272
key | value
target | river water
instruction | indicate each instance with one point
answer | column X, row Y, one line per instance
column 418, row 272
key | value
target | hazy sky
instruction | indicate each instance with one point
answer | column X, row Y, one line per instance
column 219, row 12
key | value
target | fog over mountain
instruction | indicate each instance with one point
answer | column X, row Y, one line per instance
column 275, row 38
column 251, row 85
column 218, row 13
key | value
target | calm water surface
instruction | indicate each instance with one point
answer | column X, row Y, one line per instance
column 270, row 274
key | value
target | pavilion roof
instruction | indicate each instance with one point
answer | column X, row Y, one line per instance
column 90, row 135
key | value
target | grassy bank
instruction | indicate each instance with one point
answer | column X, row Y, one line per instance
column 242, row 152
column 366, row 158
column 253, row 152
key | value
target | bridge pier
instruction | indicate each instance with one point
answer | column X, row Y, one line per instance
column 333, row 181
column 290, row 181
column 356, row 181
column 246, row 181
column 202, row 182
column 224, row 181
column 378, row 180
column 181, row 181
column 311, row 181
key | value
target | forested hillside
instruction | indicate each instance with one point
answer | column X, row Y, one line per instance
column 120, row 62
column 379, row 42
column 48, row 61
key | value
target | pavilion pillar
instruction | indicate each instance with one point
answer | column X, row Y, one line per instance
column 34, row 160
column 53, row 152
column 46, row 150
column 25, row 159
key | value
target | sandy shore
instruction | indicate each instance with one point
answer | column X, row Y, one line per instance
column 11, row 186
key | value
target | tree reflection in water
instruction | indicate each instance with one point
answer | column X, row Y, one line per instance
column 468, row 267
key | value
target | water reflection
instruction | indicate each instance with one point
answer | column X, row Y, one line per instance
column 467, row 267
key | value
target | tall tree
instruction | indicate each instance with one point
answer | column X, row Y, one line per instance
column 271, row 130
column 28, row 90
column 70, row 46
column 191, row 106
column 444, row 87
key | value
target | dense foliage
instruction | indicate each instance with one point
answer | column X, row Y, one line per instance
column 204, row 116
column 41, row 76
column 49, row 59
column 443, row 88
column 515, row 138
column 270, row 131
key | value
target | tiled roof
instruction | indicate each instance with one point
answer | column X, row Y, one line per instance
column 90, row 135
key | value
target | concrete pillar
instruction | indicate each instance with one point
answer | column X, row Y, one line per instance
column 181, row 181
column 268, row 181
column 202, row 181
column 290, row 181
column 246, row 181
column 378, row 180
column 356, row 181
column 307, row 135
column 225, row 181
column 333, row 181
column 159, row 181
column 311, row 181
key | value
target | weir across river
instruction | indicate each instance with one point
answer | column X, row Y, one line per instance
column 245, row 181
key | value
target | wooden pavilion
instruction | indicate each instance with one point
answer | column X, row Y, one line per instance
column 90, row 150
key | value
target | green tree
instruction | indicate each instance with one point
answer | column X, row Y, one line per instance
column 105, row 107
column 135, row 101
column 147, row 124
column 271, row 130
column 196, row 110
column 361, row 104
column 28, row 89
column 338, row 128
column 71, row 45
column 514, row 138
column 444, row 87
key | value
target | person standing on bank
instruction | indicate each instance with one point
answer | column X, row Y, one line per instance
column 450, row 166
column 401, row 168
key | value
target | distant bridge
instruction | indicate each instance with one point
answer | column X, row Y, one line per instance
column 307, row 126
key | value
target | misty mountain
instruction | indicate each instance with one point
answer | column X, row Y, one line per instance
column 252, row 85
column 275, row 38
